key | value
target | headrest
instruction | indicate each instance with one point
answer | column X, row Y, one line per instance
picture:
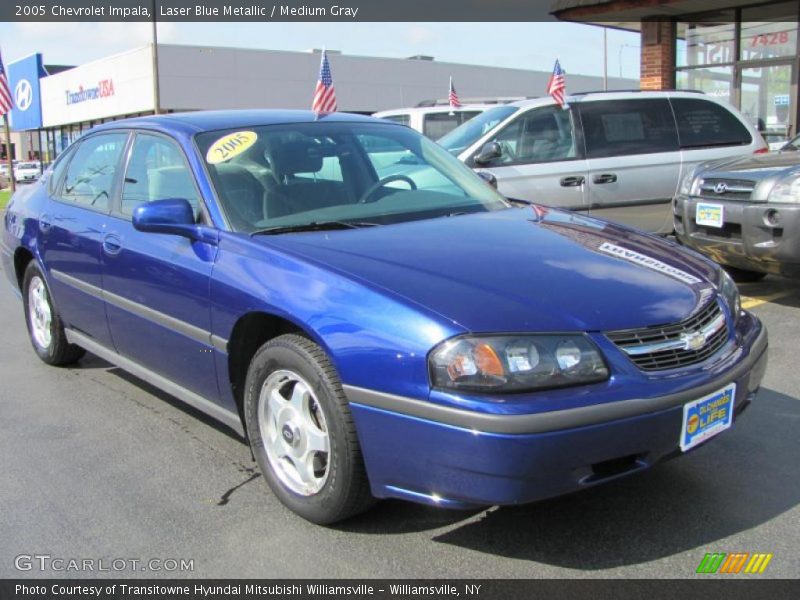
column 296, row 156
column 171, row 182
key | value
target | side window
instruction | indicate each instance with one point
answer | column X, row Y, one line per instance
column 623, row 127
column 703, row 123
column 90, row 174
column 540, row 135
column 402, row 119
column 157, row 170
column 435, row 125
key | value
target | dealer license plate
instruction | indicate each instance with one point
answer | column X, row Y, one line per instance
column 710, row 215
column 706, row 417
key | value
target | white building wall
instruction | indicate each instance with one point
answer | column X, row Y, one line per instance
column 195, row 77
column 219, row 78
column 130, row 75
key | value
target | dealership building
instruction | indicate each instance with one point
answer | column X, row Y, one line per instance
column 52, row 110
column 742, row 51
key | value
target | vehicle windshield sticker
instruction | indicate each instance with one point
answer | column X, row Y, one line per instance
column 228, row 146
column 649, row 262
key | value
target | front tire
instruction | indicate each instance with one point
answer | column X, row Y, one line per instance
column 302, row 433
column 45, row 329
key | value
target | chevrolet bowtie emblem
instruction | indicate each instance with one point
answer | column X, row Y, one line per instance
column 693, row 340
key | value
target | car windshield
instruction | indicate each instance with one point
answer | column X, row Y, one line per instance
column 464, row 136
column 27, row 166
column 308, row 175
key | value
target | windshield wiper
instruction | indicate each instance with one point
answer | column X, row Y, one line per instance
column 313, row 226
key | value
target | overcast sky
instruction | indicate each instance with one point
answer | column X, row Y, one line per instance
column 519, row 45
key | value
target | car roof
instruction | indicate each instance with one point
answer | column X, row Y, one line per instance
column 189, row 123
column 612, row 95
column 432, row 109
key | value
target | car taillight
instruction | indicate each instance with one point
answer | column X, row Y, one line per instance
column 762, row 150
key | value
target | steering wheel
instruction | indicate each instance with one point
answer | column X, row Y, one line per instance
column 379, row 184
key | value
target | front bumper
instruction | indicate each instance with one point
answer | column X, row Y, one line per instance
column 459, row 458
column 751, row 238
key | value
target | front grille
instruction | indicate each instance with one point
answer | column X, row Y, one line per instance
column 664, row 347
column 729, row 189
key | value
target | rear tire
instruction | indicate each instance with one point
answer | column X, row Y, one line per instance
column 743, row 275
column 45, row 329
column 302, row 433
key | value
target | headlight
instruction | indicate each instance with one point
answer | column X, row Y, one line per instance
column 686, row 184
column 515, row 363
column 729, row 291
column 786, row 190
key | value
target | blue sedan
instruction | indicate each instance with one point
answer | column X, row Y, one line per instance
column 374, row 318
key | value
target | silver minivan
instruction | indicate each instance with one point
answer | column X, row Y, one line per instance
column 615, row 155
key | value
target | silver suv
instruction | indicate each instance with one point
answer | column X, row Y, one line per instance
column 616, row 155
column 745, row 213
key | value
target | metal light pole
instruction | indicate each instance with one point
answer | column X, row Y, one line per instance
column 12, row 181
column 605, row 58
column 156, row 94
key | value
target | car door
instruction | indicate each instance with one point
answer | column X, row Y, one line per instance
column 72, row 229
column 541, row 159
column 157, row 285
column 634, row 161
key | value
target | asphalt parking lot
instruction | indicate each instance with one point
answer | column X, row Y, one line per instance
column 97, row 464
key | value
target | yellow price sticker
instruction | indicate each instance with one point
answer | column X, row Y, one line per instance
column 228, row 146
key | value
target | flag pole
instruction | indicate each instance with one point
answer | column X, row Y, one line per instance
column 7, row 131
column 450, row 91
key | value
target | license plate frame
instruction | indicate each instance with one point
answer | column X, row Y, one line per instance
column 707, row 417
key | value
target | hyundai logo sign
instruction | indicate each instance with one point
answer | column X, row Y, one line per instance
column 23, row 94
column 721, row 188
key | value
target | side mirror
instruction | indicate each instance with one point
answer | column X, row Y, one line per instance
column 488, row 153
column 174, row 216
column 488, row 178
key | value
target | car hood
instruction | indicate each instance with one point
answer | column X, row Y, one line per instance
column 518, row 270
column 758, row 163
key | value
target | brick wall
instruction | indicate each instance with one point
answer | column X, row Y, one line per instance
column 658, row 55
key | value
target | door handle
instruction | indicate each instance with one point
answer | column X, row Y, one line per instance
column 45, row 225
column 573, row 181
column 112, row 244
column 605, row 178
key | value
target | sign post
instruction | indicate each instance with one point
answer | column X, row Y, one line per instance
column 7, row 132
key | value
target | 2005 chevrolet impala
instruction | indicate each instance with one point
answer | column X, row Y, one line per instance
column 371, row 315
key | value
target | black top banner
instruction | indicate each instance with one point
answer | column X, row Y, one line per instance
column 276, row 10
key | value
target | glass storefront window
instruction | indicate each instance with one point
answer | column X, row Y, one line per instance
column 769, row 31
column 765, row 100
column 708, row 42
column 714, row 81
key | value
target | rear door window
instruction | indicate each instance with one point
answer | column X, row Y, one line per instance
column 402, row 119
column 702, row 124
column 91, row 172
column 625, row 127
column 435, row 125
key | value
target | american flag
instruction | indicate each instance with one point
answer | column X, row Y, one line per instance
column 557, row 86
column 324, row 95
column 5, row 94
column 453, row 97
